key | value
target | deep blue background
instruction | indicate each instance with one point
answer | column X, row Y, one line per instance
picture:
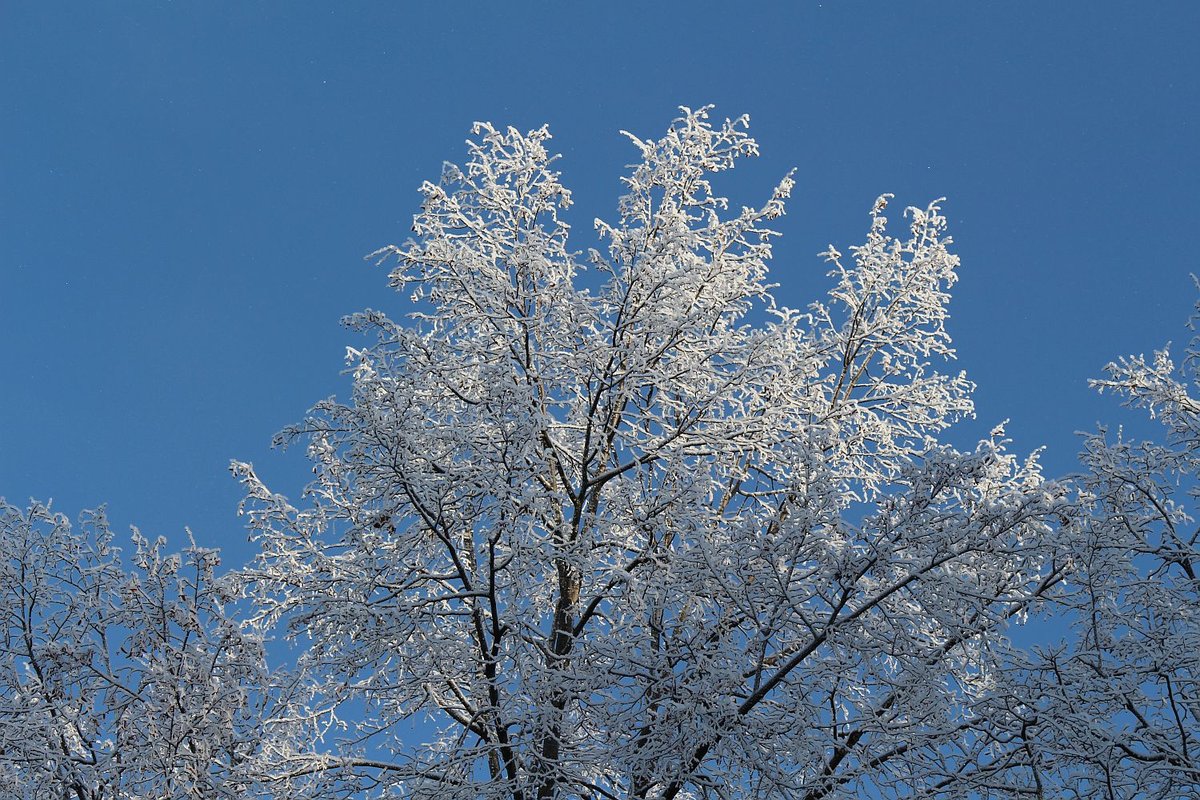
column 187, row 189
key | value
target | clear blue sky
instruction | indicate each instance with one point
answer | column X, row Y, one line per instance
column 187, row 189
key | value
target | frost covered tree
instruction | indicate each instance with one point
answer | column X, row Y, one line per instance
column 618, row 525
column 1119, row 701
column 119, row 682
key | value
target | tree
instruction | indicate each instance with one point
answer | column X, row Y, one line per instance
column 621, row 526
column 115, row 683
column 1120, row 699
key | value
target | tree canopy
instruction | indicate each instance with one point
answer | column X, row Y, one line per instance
column 614, row 523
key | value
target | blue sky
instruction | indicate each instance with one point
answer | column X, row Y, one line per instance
column 187, row 191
